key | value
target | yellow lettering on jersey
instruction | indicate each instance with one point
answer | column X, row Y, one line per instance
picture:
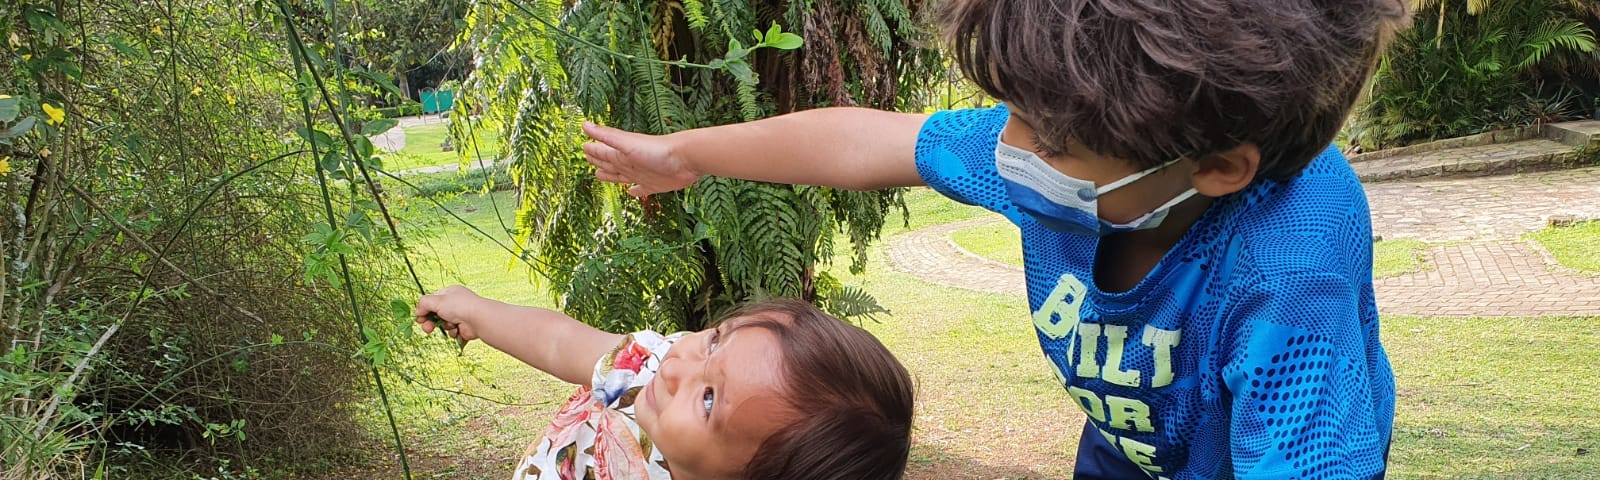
column 1137, row 452
column 1088, row 346
column 1129, row 414
column 1111, row 439
column 1116, row 339
column 1089, row 402
column 1161, row 343
column 1140, row 454
column 1056, row 369
column 1059, row 312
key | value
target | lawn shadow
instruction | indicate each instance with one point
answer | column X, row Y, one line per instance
column 936, row 463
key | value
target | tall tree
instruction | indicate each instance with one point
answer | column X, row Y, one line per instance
column 674, row 260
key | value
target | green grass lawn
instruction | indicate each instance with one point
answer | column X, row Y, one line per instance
column 1393, row 258
column 1494, row 398
column 422, row 148
column 1577, row 246
column 1478, row 398
column 999, row 241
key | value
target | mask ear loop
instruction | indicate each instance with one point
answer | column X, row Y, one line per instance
column 1135, row 177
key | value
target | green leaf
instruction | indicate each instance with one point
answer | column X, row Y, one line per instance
column 10, row 108
column 130, row 51
column 741, row 70
column 378, row 126
column 737, row 55
column 786, row 41
column 332, row 161
column 318, row 138
column 757, row 33
column 733, row 44
column 401, row 309
column 382, row 80
column 363, row 147
column 374, row 349
column 276, row 340
column 20, row 128
column 772, row 33
column 315, row 57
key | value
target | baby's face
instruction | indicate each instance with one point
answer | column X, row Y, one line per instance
column 715, row 398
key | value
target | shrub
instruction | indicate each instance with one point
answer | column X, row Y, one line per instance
column 155, row 290
column 1505, row 66
column 410, row 109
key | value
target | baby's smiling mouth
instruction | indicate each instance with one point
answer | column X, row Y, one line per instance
column 650, row 393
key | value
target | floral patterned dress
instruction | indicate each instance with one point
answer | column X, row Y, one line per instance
column 594, row 435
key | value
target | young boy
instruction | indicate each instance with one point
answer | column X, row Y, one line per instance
column 1198, row 259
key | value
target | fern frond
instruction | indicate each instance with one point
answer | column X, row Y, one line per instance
column 1555, row 35
column 695, row 12
column 848, row 302
column 748, row 107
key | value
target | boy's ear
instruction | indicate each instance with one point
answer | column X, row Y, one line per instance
column 1228, row 171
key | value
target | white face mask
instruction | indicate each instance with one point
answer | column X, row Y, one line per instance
column 1065, row 204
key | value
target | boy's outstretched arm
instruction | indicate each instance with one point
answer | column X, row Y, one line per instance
column 850, row 148
column 547, row 340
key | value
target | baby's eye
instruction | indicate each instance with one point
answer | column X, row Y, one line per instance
column 709, row 398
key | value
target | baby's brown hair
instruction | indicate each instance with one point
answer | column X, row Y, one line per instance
column 851, row 400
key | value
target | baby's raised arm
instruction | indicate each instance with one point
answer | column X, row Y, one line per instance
column 850, row 148
column 547, row 340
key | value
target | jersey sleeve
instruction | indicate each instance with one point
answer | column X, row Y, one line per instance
column 1302, row 403
column 955, row 156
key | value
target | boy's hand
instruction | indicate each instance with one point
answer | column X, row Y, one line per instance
column 455, row 307
column 646, row 161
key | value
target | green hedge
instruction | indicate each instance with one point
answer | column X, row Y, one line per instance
column 406, row 110
column 453, row 182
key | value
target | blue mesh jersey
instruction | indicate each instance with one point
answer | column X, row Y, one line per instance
column 1250, row 351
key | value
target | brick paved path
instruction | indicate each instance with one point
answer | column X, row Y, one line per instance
column 1485, row 269
column 929, row 254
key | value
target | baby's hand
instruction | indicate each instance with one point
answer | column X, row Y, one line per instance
column 453, row 309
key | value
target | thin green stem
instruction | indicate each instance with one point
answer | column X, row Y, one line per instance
column 361, row 165
column 300, row 58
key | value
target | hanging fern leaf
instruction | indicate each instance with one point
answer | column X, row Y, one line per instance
column 674, row 260
column 696, row 13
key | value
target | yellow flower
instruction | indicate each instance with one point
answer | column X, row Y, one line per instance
column 56, row 115
column 156, row 29
column 14, row 40
column 196, row 91
column 5, row 165
column 26, row 57
column 229, row 98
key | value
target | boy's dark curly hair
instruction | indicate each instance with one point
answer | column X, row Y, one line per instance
column 1152, row 80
